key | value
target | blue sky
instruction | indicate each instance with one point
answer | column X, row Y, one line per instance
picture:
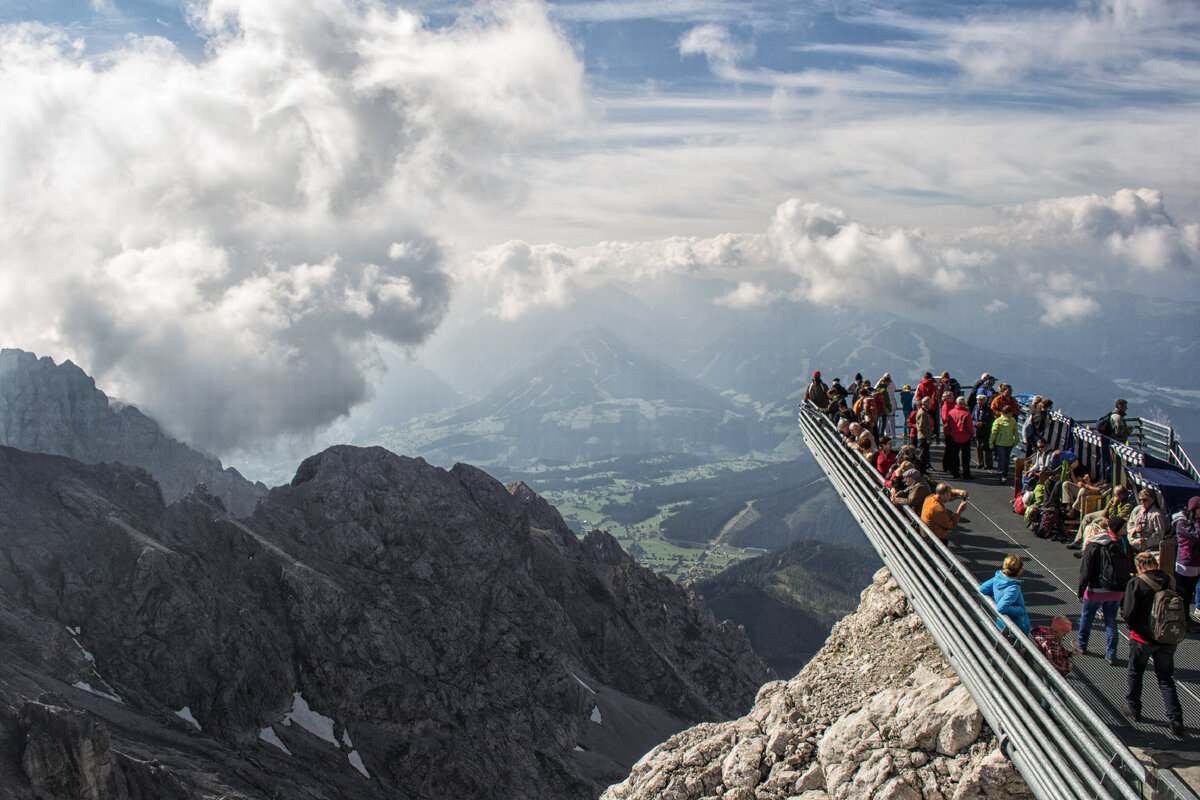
column 275, row 187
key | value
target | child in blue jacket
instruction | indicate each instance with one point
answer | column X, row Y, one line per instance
column 1005, row 588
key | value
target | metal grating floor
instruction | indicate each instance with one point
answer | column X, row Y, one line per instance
column 989, row 530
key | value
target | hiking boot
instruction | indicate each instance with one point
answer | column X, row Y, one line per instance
column 1131, row 715
column 1112, row 662
column 1178, row 732
column 1074, row 546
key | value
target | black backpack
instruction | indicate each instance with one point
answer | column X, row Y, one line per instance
column 1104, row 426
column 1168, row 621
column 1114, row 567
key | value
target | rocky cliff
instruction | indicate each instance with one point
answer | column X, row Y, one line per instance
column 878, row 713
column 377, row 628
column 57, row 409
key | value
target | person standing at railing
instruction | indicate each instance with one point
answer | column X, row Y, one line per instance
column 817, row 392
column 1114, row 424
column 935, row 515
column 1005, row 588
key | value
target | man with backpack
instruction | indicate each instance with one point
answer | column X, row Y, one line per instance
column 1157, row 618
column 1103, row 575
column 1114, row 425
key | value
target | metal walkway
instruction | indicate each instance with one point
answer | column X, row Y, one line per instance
column 988, row 531
column 1066, row 736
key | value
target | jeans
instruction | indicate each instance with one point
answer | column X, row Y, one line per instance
column 1002, row 454
column 1164, row 671
column 1109, row 609
column 1186, row 585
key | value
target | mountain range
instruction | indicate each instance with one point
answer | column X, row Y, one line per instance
column 379, row 626
column 56, row 408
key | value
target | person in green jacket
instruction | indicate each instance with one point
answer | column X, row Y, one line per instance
column 1005, row 435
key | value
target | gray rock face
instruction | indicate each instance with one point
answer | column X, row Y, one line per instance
column 57, row 409
column 878, row 713
column 378, row 628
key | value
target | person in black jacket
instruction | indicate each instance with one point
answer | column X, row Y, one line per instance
column 1094, row 594
column 1139, row 597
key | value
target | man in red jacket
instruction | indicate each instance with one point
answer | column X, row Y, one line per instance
column 960, row 432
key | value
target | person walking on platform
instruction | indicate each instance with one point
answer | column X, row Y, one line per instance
column 1103, row 574
column 1005, row 588
column 1137, row 607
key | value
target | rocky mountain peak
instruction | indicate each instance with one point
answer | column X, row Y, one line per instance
column 57, row 409
column 378, row 626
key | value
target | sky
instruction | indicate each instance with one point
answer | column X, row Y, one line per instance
column 229, row 210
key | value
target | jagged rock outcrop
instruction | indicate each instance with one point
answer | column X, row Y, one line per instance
column 57, row 409
column 878, row 713
column 377, row 628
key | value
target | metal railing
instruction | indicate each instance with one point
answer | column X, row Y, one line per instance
column 1061, row 747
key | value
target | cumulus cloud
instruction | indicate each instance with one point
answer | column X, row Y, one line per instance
column 222, row 239
column 749, row 294
column 1132, row 226
column 813, row 252
column 516, row 277
column 836, row 259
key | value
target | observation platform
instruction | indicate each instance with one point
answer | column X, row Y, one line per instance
column 1066, row 735
column 988, row 531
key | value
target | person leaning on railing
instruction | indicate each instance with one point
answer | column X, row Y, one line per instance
column 935, row 515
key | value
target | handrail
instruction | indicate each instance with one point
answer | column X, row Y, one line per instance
column 1061, row 747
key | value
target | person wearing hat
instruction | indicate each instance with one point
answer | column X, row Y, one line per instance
column 1187, row 559
column 817, row 393
column 915, row 491
column 1050, row 642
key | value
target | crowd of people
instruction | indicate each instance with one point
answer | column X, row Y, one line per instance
column 1134, row 560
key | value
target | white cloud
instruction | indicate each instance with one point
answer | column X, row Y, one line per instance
column 1067, row 310
column 716, row 44
column 222, row 239
column 818, row 253
column 749, row 294
column 516, row 277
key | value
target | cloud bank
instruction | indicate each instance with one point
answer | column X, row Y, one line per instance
column 1052, row 252
column 223, row 239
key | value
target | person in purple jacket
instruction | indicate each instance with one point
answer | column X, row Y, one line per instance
column 1187, row 560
